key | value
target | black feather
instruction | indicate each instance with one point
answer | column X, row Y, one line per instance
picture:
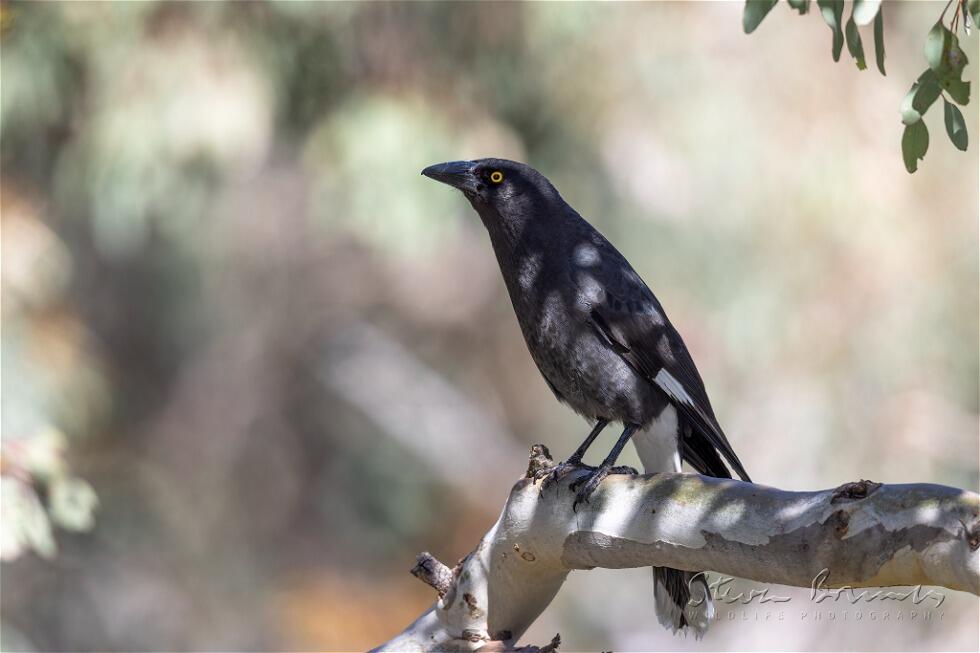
column 649, row 343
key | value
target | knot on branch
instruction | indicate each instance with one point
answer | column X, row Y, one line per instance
column 538, row 461
column 433, row 573
column 854, row 491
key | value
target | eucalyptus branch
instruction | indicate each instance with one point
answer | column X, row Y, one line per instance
column 860, row 534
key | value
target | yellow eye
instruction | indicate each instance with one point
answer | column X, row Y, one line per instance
column 496, row 176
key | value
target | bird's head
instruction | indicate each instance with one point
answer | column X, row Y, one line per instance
column 502, row 191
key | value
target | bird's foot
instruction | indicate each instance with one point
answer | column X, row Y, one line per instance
column 586, row 485
column 623, row 469
column 560, row 471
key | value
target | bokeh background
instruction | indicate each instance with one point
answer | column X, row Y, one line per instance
column 253, row 362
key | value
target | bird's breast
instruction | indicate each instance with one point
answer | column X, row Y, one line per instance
column 579, row 365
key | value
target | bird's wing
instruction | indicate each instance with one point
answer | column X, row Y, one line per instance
column 635, row 326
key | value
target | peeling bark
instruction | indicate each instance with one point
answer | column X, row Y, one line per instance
column 861, row 534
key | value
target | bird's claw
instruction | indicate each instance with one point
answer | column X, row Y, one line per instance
column 558, row 472
column 623, row 469
column 586, row 485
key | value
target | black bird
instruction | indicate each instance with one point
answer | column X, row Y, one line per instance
column 602, row 342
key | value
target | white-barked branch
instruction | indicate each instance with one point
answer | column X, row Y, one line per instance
column 861, row 534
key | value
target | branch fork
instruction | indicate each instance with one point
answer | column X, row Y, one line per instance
column 861, row 534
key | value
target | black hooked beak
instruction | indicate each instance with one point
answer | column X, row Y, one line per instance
column 458, row 174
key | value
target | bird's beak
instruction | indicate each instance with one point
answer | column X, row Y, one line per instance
column 458, row 174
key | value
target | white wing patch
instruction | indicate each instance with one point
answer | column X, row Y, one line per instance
column 673, row 387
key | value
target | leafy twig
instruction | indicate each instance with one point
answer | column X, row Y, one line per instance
column 943, row 77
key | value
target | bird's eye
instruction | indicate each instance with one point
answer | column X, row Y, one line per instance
column 496, row 176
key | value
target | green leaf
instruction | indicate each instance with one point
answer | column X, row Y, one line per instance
column 974, row 8
column 801, row 6
column 955, row 125
column 935, row 45
column 915, row 142
column 958, row 90
column 754, row 12
column 943, row 52
column 910, row 115
column 925, row 95
column 865, row 10
column 854, row 45
column 920, row 97
column 880, row 40
column 832, row 12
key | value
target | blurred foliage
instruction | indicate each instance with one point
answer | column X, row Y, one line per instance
column 202, row 202
column 37, row 461
column 48, row 379
column 942, row 51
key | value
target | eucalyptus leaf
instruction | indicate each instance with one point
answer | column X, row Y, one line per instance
column 801, row 6
column 958, row 90
column 909, row 114
column 936, row 45
column 880, row 40
column 943, row 52
column 955, row 126
column 832, row 12
column 754, row 12
column 915, row 143
column 865, row 11
column 927, row 93
column 854, row 46
column 920, row 97
column 955, row 60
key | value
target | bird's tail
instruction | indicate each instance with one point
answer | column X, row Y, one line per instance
column 681, row 599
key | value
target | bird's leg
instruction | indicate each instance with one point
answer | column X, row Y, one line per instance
column 575, row 460
column 588, row 484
